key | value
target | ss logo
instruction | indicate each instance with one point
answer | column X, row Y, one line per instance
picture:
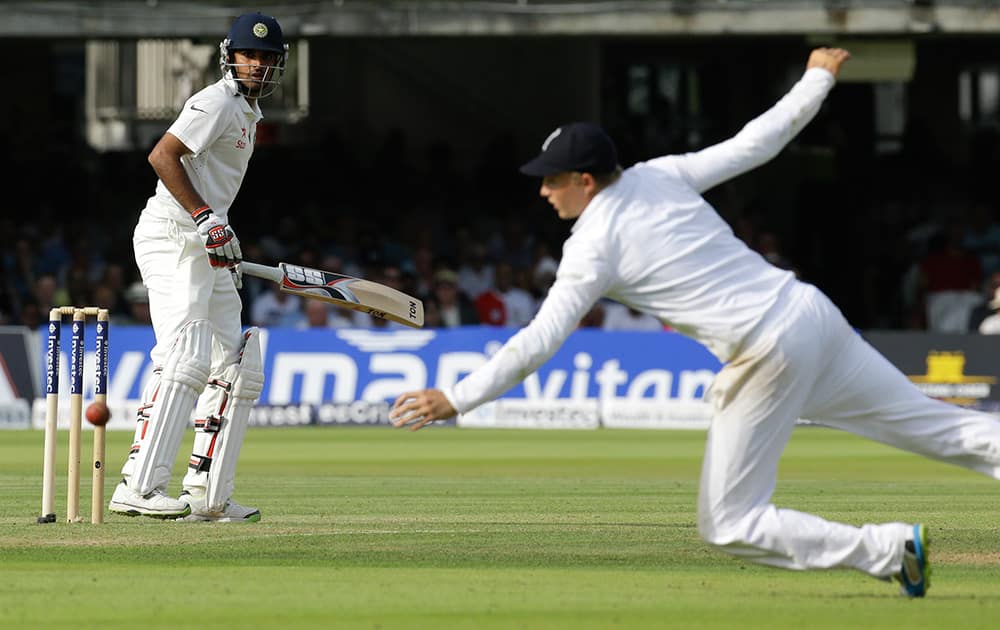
column 305, row 275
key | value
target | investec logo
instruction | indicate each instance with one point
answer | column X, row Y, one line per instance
column 102, row 367
column 52, row 360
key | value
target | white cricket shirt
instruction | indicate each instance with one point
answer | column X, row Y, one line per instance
column 650, row 241
column 219, row 126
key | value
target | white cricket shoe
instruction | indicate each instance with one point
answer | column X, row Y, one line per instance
column 156, row 504
column 233, row 512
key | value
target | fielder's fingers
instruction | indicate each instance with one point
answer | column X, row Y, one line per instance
column 412, row 418
column 406, row 414
column 415, row 420
column 403, row 398
column 402, row 405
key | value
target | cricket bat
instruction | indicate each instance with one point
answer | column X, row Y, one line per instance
column 370, row 297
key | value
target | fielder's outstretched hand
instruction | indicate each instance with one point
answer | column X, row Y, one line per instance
column 419, row 408
column 828, row 59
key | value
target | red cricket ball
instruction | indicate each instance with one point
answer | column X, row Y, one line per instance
column 98, row 414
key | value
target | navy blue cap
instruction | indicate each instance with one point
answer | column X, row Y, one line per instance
column 581, row 147
column 256, row 31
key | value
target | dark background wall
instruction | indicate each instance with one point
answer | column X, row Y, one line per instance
column 411, row 136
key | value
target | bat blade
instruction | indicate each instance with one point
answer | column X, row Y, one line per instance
column 370, row 297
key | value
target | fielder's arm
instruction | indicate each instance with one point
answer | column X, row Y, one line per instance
column 765, row 136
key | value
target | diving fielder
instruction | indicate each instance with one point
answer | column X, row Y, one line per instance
column 186, row 252
column 646, row 238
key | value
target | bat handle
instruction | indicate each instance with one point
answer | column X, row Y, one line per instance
column 275, row 274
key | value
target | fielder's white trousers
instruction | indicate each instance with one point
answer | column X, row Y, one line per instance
column 184, row 287
column 807, row 362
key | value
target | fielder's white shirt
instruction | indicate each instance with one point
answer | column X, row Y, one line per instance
column 650, row 241
column 219, row 126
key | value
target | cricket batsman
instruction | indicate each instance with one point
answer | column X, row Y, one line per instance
column 187, row 254
column 644, row 236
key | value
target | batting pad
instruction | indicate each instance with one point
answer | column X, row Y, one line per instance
column 184, row 376
column 142, row 420
column 221, row 425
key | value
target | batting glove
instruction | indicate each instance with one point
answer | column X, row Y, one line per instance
column 237, row 276
column 220, row 242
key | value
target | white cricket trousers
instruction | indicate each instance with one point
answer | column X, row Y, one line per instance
column 805, row 361
column 183, row 287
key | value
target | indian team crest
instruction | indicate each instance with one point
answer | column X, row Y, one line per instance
column 260, row 30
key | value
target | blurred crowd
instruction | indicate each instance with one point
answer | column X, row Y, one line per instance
column 479, row 246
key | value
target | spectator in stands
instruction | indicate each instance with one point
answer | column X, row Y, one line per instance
column 949, row 278
column 991, row 324
column 31, row 314
column 137, row 297
column 519, row 305
column 984, row 310
column 505, row 304
column 47, row 294
column 475, row 273
column 105, row 297
column 542, row 277
column 391, row 275
column 320, row 314
column 542, row 261
column 432, row 314
column 79, row 288
column 423, row 270
column 456, row 308
column 490, row 308
column 113, row 277
column 275, row 308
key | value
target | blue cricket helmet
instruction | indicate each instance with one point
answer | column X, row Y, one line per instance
column 254, row 31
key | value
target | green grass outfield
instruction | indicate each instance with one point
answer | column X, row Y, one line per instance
column 450, row 528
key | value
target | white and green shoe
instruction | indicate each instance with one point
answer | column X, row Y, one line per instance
column 232, row 513
column 155, row 504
